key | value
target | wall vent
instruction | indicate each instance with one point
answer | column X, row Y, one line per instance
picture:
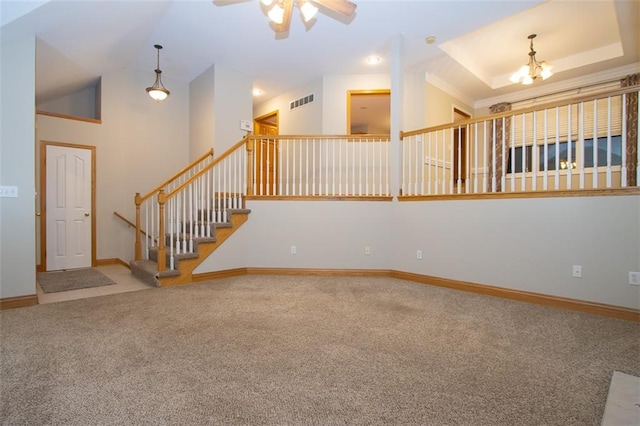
column 301, row 102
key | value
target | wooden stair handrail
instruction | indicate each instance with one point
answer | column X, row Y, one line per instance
column 207, row 167
column 463, row 123
column 176, row 175
column 132, row 225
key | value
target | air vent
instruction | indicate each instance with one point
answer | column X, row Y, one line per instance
column 301, row 102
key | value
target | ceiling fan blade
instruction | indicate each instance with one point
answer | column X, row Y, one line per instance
column 287, row 5
column 343, row 7
column 228, row 2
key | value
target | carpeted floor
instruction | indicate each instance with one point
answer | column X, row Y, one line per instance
column 74, row 279
column 308, row 351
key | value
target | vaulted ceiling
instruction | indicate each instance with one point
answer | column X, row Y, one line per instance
column 478, row 43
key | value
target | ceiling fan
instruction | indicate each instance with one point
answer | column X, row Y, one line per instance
column 280, row 11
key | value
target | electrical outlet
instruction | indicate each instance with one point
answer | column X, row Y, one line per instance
column 294, row 250
column 367, row 250
column 577, row 271
column 634, row 278
column 419, row 255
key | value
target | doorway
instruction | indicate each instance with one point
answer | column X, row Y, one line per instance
column 369, row 112
column 68, row 220
column 265, row 154
column 460, row 148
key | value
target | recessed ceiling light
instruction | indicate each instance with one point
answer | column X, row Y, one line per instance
column 258, row 92
column 430, row 39
column 373, row 60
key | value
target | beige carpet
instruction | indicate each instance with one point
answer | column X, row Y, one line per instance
column 73, row 279
column 308, row 351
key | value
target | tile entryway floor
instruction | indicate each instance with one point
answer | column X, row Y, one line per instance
column 125, row 281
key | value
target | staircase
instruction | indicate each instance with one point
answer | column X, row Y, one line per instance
column 186, row 263
column 187, row 217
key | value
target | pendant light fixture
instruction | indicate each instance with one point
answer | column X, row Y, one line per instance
column 158, row 92
column 534, row 69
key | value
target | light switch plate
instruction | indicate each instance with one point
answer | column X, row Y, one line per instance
column 8, row 191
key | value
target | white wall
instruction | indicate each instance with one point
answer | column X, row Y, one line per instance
column 80, row 104
column 233, row 102
column 202, row 121
column 334, row 103
column 306, row 120
column 526, row 244
column 139, row 144
column 327, row 235
column 219, row 99
column 439, row 106
column 17, row 215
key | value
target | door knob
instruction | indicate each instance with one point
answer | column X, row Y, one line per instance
column 38, row 214
column 87, row 214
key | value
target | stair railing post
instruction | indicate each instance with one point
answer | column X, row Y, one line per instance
column 162, row 260
column 250, row 144
column 138, row 244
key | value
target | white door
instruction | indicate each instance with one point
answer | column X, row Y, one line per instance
column 68, row 207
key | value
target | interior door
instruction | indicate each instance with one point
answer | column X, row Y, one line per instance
column 68, row 207
column 266, row 157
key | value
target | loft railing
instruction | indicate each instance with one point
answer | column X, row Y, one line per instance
column 589, row 143
column 314, row 166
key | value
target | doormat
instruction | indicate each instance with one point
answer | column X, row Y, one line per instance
column 56, row 281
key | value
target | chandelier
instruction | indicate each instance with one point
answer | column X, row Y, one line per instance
column 280, row 11
column 534, row 69
column 158, row 92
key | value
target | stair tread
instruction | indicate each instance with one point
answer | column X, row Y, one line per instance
column 147, row 270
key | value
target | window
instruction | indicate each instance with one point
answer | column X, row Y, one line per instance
column 601, row 144
column 517, row 159
column 561, row 150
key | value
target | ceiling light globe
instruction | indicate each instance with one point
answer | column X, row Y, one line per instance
column 373, row 60
column 157, row 93
column 308, row 11
column 527, row 79
column 276, row 14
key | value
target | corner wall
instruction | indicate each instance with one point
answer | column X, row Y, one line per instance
column 17, row 215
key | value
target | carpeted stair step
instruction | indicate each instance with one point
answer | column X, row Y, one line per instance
column 147, row 271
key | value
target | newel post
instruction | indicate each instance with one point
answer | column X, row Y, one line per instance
column 250, row 143
column 137, row 249
column 162, row 260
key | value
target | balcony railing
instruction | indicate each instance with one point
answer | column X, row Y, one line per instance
column 313, row 166
column 590, row 143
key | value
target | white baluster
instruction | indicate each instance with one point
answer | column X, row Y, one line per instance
column 172, row 204
column 609, row 142
column 595, row 144
column 475, row 162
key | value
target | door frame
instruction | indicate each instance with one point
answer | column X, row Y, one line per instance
column 43, row 199
column 364, row 93
column 270, row 119
column 463, row 146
